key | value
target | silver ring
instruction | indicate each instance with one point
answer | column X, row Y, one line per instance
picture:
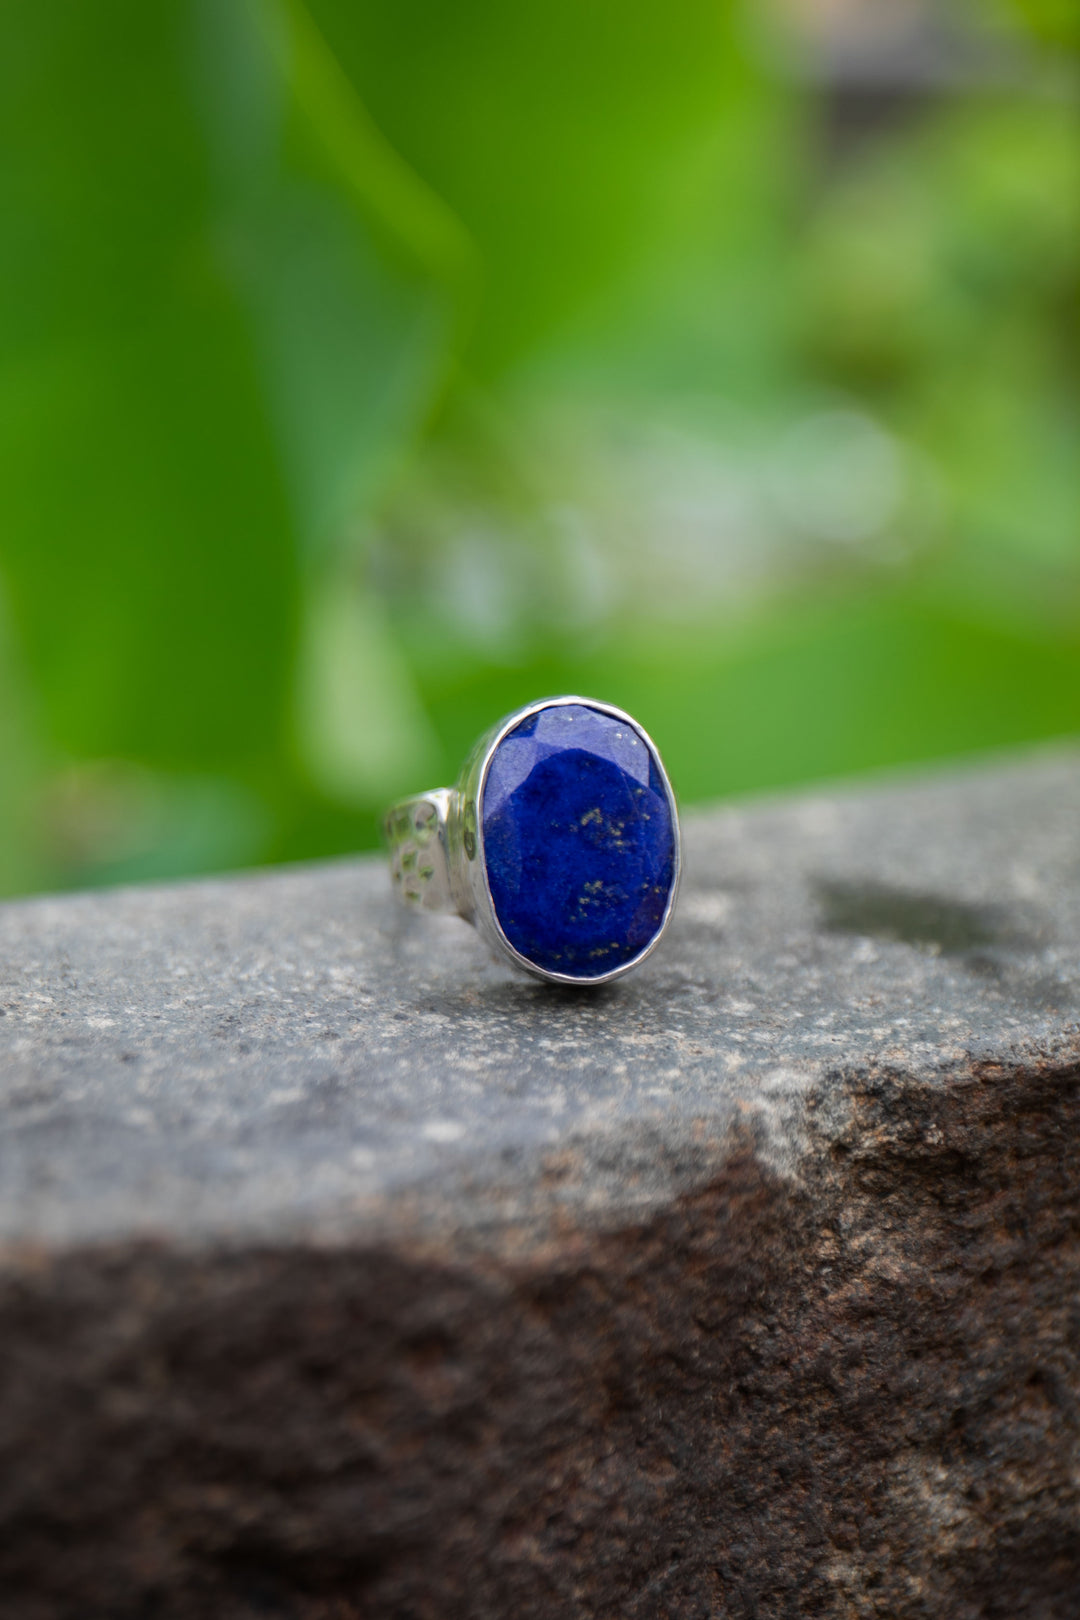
column 560, row 842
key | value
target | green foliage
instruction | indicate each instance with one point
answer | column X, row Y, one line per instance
column 223, row 308
column 1055, row 20
column 552, row 130
column 366, row 369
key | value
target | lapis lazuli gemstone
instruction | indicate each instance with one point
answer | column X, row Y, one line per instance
column 579, row 840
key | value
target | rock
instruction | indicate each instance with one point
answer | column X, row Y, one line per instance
column 345, row 1274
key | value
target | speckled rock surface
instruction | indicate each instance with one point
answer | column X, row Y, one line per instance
column 343, row 1273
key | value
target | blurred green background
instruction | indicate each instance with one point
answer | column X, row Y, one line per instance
column 368, row 367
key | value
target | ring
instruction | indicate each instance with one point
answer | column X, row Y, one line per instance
column 560, row 842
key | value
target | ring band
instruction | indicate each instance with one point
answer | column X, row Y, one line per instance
column 560, row 842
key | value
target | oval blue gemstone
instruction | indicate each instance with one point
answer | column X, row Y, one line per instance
column 579, row 841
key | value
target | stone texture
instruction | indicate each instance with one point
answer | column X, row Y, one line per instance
column 344, row 1274
column 578, row 841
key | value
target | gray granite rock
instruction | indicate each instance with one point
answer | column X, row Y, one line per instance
column 343, row 1273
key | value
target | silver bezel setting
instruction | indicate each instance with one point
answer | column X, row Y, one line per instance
column 465, row 840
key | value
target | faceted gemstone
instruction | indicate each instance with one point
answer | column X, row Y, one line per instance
column 578, row 840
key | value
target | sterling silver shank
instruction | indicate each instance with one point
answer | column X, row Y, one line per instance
column 417, row 831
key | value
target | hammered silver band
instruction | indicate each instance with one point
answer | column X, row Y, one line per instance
column 417, row 834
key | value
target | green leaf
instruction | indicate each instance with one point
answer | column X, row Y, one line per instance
column 224, row 307
column 558, row 132
column 357, row 278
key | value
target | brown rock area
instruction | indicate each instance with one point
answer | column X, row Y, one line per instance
column 343, row 1274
